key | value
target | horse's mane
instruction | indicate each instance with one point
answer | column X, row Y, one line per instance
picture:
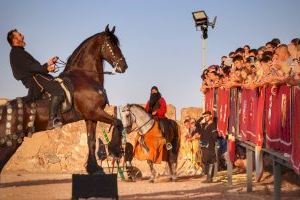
column 112, row 36
column 77, row 50
column 139, row 106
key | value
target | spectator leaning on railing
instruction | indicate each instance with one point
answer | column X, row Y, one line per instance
column 272, row 64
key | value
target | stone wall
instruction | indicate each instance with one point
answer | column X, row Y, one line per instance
column 65, row 150
column 2, row 101
column 192, row 112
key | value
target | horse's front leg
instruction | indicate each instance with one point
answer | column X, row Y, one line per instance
column 153, row 172
column 92, row 165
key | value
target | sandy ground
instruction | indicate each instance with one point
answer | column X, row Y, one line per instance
column 21, row 186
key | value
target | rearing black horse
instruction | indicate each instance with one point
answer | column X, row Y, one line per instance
column 84, row 69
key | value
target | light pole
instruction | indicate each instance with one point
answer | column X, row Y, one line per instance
column 202, row 23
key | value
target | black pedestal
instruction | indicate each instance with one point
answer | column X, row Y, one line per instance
column 99, row 185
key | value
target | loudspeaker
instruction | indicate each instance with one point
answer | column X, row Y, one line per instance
column 98, row 185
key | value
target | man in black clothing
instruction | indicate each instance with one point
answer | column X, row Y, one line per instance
column 209, row 136
column 35, row 76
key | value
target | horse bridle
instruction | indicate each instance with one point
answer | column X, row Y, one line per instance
column 131, row 121
column 116, row 61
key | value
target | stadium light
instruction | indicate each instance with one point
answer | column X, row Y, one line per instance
column 202, row 23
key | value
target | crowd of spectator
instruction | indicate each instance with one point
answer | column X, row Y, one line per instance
column 272, row 64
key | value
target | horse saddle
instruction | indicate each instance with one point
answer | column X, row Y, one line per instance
column 164, row 125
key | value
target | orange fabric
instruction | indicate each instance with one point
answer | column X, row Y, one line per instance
column 154, row 141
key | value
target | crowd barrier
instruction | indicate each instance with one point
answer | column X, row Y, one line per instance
column 264, row 120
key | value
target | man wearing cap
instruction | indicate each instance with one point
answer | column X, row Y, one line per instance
column 157, row 107
column 209, row 136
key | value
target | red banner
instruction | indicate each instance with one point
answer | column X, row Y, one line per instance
column 278, row 129
column 259, row 117
column 248, row 120
column 209, row 100
column 233, row 109
column 223, row 111
column 295, row 157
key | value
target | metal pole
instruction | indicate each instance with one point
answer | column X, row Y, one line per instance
column 203, row 63
column 203, row 53
column 249, row 157
column 277, row 179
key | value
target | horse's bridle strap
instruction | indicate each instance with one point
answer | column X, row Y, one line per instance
column 138, row 128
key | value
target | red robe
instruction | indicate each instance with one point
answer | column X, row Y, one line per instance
column 223, row 111
column 295, row 158
column 161, row 111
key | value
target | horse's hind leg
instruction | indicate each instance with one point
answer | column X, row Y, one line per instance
column 172, row 167
column 172, row 162
column 92, row 165
column 153, row 172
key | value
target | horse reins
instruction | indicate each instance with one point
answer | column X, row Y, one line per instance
column 137, row 128
column 63, row 64
column 114, row 64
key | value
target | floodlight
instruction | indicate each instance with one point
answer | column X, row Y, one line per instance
column 200, row 18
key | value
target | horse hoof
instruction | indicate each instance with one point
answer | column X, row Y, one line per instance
column 99, row 172
column 173, row 179
column 95, row 169
column 130, row 179
column 151, row 181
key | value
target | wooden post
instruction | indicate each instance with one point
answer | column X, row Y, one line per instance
column 229, row 171
column 229, row 165
column 217, row 161
column 249, row 156
column 277, row 180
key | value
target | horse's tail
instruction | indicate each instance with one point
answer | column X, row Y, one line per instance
column 176, row 137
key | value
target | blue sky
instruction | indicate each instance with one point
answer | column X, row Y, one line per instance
column 157, row 37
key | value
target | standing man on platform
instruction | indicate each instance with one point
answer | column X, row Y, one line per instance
column 208, row 139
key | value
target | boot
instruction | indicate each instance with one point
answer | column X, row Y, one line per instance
column 53, row 111
column 210, row 173
column 164, row 132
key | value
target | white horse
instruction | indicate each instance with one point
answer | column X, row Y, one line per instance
column 150, row 142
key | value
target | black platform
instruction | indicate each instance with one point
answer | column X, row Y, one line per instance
column 99, row 185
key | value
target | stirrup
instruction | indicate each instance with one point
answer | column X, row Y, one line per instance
column 54, row 123
column 169, row 146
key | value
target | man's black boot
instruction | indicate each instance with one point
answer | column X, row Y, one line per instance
column 165, row 132
column 53, row 110
column 209, row 175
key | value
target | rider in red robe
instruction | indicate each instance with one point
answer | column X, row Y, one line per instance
column 157, row 107
column 157, row 104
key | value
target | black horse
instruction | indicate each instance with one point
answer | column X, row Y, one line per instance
column 84, row 72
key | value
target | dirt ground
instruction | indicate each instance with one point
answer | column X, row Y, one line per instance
column 19, row 186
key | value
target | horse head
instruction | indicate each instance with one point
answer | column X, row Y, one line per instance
column 89, row 55
column 136, row 114
column 111, row 52
column 127, row 118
